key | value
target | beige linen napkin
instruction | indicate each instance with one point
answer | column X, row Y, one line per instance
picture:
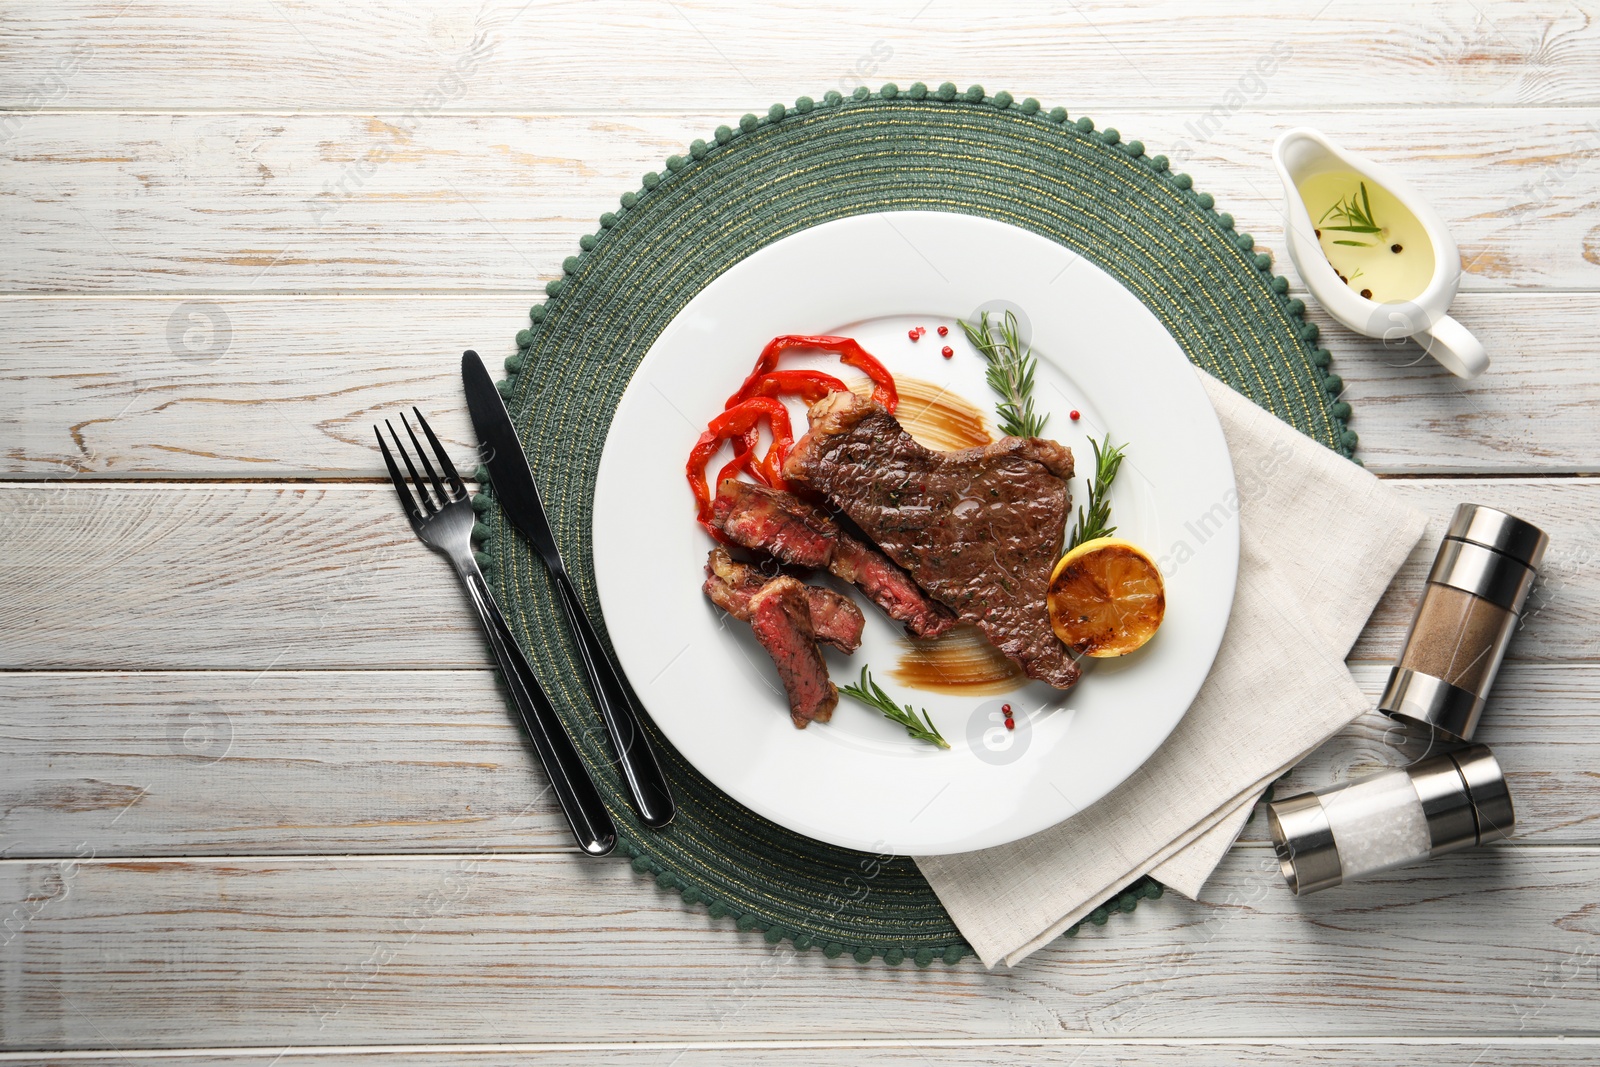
column 1320, row 539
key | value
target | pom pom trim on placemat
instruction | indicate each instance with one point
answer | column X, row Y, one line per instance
column 634, row 841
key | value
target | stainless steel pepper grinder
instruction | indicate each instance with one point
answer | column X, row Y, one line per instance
column 1470, row 608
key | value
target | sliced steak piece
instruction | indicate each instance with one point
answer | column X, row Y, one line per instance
column 781, row 620
column 980, row 529
column 730, row 584
column 794, row 532
column 835, row 619
column 777, row 523
column 890, row 588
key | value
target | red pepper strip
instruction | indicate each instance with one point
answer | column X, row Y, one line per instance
column 810, row 385
column 850, row 353
column 743, row 460
column 739, row 422
column 772, row 463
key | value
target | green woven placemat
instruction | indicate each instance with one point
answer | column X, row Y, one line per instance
column 771, row 176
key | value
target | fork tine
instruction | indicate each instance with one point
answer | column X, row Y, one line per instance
column 417, row 483
column 396, row 477
column 422, row 454
column 444, row 457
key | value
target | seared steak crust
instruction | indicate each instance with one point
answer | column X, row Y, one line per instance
column 731, row 585
column 781, row 620
column 980, row 529
column 794, row 532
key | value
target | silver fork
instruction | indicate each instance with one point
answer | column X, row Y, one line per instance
column 443, row 521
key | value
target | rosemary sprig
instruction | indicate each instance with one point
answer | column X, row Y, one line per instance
column 1094, row 522
column 871, row 694
column 1010, row 373
column 1357, row 218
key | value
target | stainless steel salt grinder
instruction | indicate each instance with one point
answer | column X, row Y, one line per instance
column 1386, row 820
column 1469, row 610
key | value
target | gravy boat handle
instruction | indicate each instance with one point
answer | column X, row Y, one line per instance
column 1454, row 346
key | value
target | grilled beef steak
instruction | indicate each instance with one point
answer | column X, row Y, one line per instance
column 794, row 532
column 980, row 529
column 781, row 619
column 834, row 619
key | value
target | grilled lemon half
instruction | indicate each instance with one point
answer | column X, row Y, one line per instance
column 1106, row 598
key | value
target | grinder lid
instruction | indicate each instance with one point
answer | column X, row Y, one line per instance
column 1499, row 530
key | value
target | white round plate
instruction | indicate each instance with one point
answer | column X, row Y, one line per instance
column 860, row 781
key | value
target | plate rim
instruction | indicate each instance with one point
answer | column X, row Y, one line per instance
column 610, row 460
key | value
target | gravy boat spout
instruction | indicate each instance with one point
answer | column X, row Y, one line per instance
column 1303, row 156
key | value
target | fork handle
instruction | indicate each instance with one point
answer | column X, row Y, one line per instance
column 646, row 782
column 569, row 778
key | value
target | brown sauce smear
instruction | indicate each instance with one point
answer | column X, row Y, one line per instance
column 935, row 416
column 962, row 661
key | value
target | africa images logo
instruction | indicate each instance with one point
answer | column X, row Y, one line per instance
column 991, row 740
column 203, row 732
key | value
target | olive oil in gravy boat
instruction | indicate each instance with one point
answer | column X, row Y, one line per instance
column 1303, row 153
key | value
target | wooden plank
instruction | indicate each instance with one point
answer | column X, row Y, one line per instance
column 261, row 576
column 258, row 203
column 368, row 55
column 194, row 763
column 526, row 948
column 213, row 575
column 253, row 387
column 278, row 388
column 1513, row 1051
column 1531, row 413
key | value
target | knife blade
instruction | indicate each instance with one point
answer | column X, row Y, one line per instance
column 518, row 496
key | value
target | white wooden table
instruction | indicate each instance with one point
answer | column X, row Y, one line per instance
column 258, row 793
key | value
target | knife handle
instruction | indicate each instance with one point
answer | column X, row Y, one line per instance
column 646, row 782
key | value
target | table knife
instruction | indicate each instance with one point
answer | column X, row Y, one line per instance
column 518, row 496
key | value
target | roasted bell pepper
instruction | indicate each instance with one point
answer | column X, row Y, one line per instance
column 809, row 385
column 741, row 422
column 758, row 399
column 850, row 353
column 743, row 459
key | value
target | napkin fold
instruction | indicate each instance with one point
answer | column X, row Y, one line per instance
column 1320, row 540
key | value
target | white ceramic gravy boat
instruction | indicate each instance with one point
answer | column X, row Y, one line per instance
column 1303, row 152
